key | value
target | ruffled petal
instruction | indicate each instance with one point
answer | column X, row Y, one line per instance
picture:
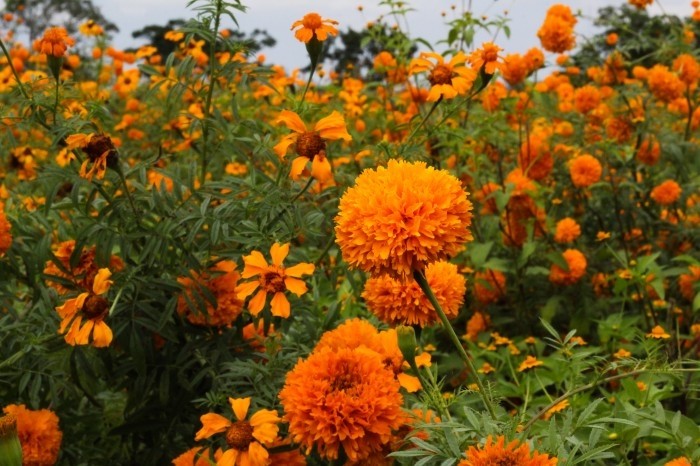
column 102, row 282
column 240, row 407
column 212, row 423
column 280, row 305
column 255, row 264
column 298, row 165
column 321, row 168
column 282, row 146
column 332, row 127
column 292, row 121
column 409, row 382
column 101, row 335
column 83, row 336
column 279, row 253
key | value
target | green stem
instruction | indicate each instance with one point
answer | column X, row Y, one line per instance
column 210, row 92
column 308, row 83
column 297, row 196
column 55, row 102
column 419, row 277
column 425, row 118
column 14, row 71
column 128, row 194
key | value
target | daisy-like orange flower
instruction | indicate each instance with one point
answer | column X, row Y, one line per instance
column 447, row 79
column 529, row 363
column 402, row 217
column 274, row 279
column 403, row 302
column 246, row 438
column 86, row 313
column 499, row 453
column 100, row 151
column 486, row 57
column 310, row 145
column 39, row 434
column 55, row 42
column 658, row 333
column 313, row 25
column 342, row 397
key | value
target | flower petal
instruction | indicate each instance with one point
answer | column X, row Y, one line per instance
column 102, row 283
column 292, row 121
column 282, row 146
column 102, row 335
column 212, row 423
column 302, row 268
column 280, row 305
column 258, row 454
column 296, row 286
column 279, row 253
column 298, row 165
column 240, row 407
column 332, row 127
column 257, row 303
column 409, row 382
column 255, row 264
column 246, row 289
column 228, row 458
column 321, row 168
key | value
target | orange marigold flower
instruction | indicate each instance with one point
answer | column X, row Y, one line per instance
column 80, row 273
column 688, row 69
column 55, row 42
column 310, row 145
column 535, row 158
column 39, row 434
column 682, row 461
column 489, row 286
column 666, row 193
column 556, row 34
column 567, row 231
column 664, row 84
column 649, row 152
column 222, row 285
column 498, row 453
column 477, row 323
column 402, row 217
column 486, row 57
column 246, row 438
column 274, row 279
column 515, row 68
column 611, row 39
column 344, row 397
column 91, row 307
column 687, row 282
column 585, row 170
column 399, row 301
column 530, row 362
column 561, row 406
column 577, row 268
column 447, row 79
column 312, row 25
column 641, row 4
column 586, row 98
column 658, row 333
column 5, row 232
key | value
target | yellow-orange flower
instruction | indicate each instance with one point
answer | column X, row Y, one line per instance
column 682, row 461
column 477, row 323
column 666, row 193
column 561, row 406
column 86, row 313
column 312, row 25
column 39, row 435
column 447, row 79
column 556, row 34
column 567, row 230
column 81, row 273
column 401, row 218
column 90, row 28
column 486, row 57
column 274, row 279
column 398, row 301
column 686, row 282
column 498, row 453
column 246, row 438
column 222, row 285
column 310, row 145
column 344, row 397
column 577, row 268
column 489, row 286
column 530, row 362
column 658, row 333
column 585, row 170
column 55, row 42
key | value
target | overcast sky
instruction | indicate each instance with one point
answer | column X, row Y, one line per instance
column 276, row 16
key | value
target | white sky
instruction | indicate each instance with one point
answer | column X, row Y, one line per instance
column 276, row 16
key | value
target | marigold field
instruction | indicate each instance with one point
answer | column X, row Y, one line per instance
column 401, row 253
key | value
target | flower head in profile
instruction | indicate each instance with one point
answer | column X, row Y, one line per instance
column 313, row 25
column 39, row 434
column 658, row 333
column 343, row 397
column 246, row 438
column 500, row 453
column 272, row 279
column 84, row 316
column 55, row 42
column 402, row 217
column 530, row 362
column 448, row 79
column 310, row 145
column 397, row 301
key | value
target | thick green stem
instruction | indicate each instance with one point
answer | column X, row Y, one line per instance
column 425, row 286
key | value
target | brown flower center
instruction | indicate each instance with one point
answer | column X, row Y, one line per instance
column 95, row 306
column 508, row 459
column 441, row 74
column 309, row 144
column 98, row 146
column 239, row 435
column 273, row 282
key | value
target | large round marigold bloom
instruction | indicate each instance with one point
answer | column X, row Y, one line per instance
column 38, row 434
column 577, row 268
column 402, row 217
column 342, row 398
column 506, row 455
column 397, row 301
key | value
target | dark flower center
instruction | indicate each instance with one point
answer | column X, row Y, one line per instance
column 239, row 435
column 273, row 282
column 309, row 144
column 95, row 306
column 441, row 75
column 100, row 145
